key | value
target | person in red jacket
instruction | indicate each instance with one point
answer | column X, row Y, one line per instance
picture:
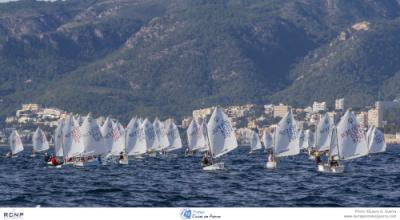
column 54, row 161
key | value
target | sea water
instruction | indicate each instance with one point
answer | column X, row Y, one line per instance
column 180, row 182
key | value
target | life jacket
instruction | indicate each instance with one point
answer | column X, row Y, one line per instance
column 54, row 161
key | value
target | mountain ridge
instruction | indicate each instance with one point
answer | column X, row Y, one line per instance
column 166, row 58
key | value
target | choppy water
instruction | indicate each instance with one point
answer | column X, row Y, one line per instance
column 180, row 182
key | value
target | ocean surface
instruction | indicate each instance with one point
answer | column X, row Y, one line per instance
column 180, row 182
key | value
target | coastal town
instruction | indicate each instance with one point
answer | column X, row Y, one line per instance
column 245, row 118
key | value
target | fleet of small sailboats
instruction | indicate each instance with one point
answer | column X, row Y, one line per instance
column 82, row 142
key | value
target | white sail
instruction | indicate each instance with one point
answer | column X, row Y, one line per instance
column 77, row 119
column 255, row 143
column 135, row 138
column 15, row 142
column 221, row 133
column 267, row 139
column 149, row 134
column 192, row 134
column 351, row 138
column 107, row 133
column 164, row 140
column 306, row 139
column 333, row 149
column 203, row 137
column 309, row 138
column 196, row 136
column 72, row 145
column 157, row 125
column 377, row 142
column 91, row 137
column 324, row 131
column 302, row 139
column 118, row 139
column 173, row 137
column 286, row 137
column 58, row 139
column 368, row 134
column 39, row 141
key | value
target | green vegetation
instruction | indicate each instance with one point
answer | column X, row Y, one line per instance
column 165, row 58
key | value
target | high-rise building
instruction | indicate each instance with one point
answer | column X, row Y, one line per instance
column 340, row 104
column 280, row 110
column 375, row 117
column 319, row 106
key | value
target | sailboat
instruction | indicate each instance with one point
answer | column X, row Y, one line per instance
column 157, row 126
column 323, row 134
column 71, row 141
column 39, row 142
column 267, row 140
column 58, row 139
column 196, row 138
column 93, row 144
column 333, row 154
column 148, row 136
column 15, row 142
column 118, row 144
column 376, row 141
column 107, row 132
column 255, row 143
column 286, row 139
column 135, row 139
column 221, row 137
column 174, row 138
column 350, row 142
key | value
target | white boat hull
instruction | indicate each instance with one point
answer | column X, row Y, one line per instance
column 123, row 162
column 271, row 165
column 328, row 169
column 216, row 166
column 86, row 164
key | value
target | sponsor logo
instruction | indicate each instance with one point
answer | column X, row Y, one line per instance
column 197, row 214
column 13, row 214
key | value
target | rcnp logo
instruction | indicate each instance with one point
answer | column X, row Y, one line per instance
column 13, row 215
column 186, row 213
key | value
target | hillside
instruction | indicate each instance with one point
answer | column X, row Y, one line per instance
column 167, row 57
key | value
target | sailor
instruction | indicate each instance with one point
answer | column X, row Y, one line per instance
column 9, row 154
column 54, row 161
column 206, row 161
column 121, row 156
column 187, row 151
column 270, row 156
column 334, row 162
column 46, row 157
column 318, row 158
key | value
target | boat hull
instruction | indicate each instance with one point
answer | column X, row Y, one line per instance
column 87, row 164
column 271, row 165
column 328, row 169
column 123, row 162
column 216, row 166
